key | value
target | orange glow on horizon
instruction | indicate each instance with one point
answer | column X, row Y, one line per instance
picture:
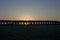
column 26, row 18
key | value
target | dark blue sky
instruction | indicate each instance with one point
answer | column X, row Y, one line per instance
column 30, row 9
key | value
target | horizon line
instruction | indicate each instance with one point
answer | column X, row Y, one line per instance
column 30, row 20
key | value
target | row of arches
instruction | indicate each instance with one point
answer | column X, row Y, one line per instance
column 30, row 22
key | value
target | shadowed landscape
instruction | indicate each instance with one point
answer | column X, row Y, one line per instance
column 30, row 32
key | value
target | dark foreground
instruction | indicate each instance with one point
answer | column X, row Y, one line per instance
column 30, row 32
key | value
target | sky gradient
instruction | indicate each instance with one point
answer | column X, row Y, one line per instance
column 30, row 10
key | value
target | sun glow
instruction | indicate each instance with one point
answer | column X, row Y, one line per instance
column 25, row 23
column 26, row 18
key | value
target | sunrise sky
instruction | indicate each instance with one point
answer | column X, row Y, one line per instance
column 30, row 10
